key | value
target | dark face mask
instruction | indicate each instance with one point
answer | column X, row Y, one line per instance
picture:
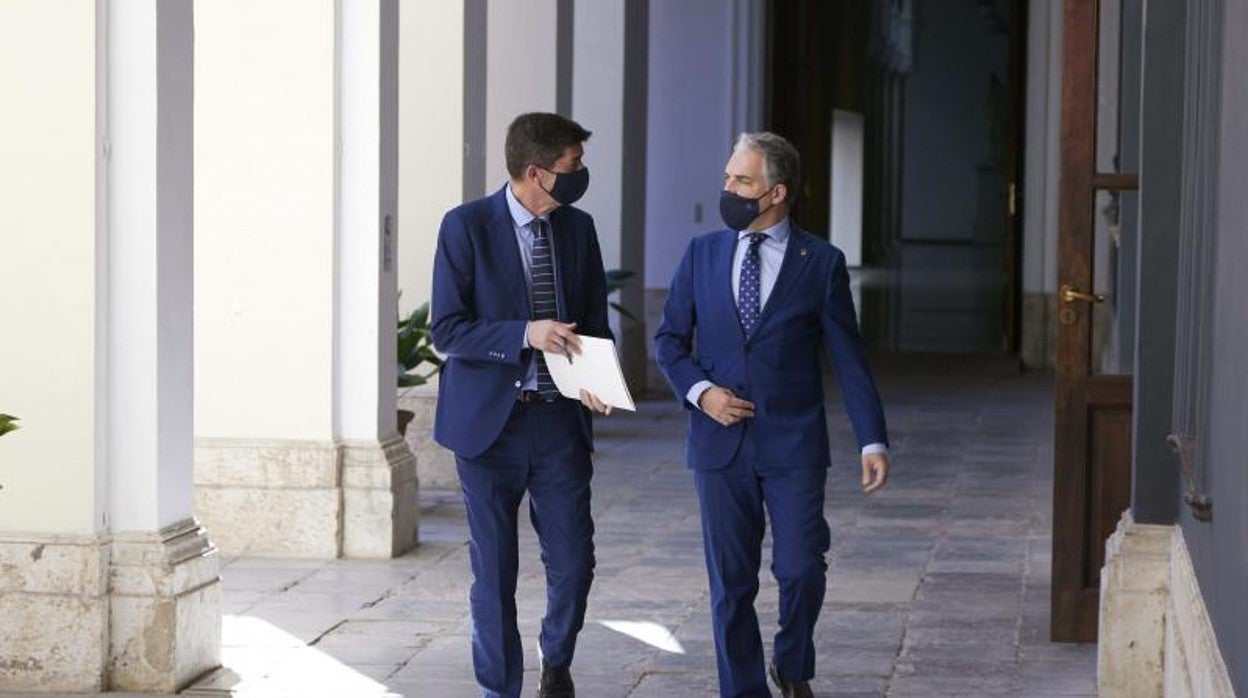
column 739, row 211
column 569, row 186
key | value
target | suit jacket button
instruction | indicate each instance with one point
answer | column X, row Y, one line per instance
column 518, row 384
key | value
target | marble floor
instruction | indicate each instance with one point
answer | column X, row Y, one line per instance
column 938, row 586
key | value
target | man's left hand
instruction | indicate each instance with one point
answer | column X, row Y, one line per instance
column 874, row 472
column 592, row 402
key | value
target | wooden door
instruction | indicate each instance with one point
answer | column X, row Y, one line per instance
column 1095, row 337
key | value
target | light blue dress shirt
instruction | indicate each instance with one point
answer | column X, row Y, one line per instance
column 520, row 218
column 770, row 257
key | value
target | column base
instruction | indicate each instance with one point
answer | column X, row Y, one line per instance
column 380, row 497
column 307, row 499
column 165, row 609
column 1155, row 637
column 1038, row 340
column 135, row 612
column 1194, row 664
column 1134, row 586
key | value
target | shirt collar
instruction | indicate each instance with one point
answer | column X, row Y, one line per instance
column 520, row 215
column 778, row 232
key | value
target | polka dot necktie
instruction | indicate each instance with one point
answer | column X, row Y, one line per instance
column 748, row 292
column 542, row 273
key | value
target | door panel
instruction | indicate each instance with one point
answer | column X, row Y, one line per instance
column 1092, row 469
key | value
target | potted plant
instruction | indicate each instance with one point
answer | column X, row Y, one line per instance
column 415, row 350
column 8, row 423
column 617, row 279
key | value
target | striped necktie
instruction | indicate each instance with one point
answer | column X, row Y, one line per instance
column 542, row 273
column 749, row 292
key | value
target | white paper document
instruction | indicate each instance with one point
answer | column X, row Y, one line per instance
column 596, row 369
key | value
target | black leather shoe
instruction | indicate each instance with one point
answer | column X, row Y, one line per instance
column 555, row 683
column 789, row 689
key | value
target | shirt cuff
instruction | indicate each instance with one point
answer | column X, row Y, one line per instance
column 524, row 342
column 695, row 393
column 874, row 448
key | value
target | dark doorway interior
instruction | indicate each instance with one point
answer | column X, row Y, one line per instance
column 939, row 89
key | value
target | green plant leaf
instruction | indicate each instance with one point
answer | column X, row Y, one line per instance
column 617, row 279
column 624, row 312
column 408, row 380
column 8, row 423
column 415, row 348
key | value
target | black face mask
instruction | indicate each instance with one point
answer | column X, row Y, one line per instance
column 738, row 211
column 569, row 186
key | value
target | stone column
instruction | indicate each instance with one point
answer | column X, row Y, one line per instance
column 296, row 165
column 106, row 580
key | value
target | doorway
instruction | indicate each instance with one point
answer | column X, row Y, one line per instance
column 938, row 89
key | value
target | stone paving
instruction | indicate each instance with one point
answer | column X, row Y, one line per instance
column 938, row 586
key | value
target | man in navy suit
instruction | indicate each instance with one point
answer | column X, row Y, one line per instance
column 518, row 275
column 749, row 311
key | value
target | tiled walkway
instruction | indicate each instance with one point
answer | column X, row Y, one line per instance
column 938, row 585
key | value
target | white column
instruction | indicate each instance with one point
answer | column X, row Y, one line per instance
column 164, row 617
column 379, row 472
column 108, row 581
column 295, row 176
column 609, row 97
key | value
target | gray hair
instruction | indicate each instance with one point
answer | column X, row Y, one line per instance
column 781, row 163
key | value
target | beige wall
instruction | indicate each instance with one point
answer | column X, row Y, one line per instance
column 431, row 136
column 47, row 266
column 264, row 218
column 522, row 73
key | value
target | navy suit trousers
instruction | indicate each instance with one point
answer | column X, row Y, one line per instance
column 732, row 500
column 541, row 452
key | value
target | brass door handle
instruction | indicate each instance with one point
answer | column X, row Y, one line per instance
column 1070, row 295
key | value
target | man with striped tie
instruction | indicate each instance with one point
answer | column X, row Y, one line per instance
column 517, row 275
column 749, row 313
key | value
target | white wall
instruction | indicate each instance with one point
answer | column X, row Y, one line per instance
column 848, row 133
column 1042, row 154
column 48, row 276
column 691, row 126
column 264, row 218
column 431, row 136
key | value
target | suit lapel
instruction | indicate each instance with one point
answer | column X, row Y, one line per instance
column 503, row 231
column 796, row 255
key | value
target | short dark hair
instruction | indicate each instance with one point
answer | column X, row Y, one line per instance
column 539, row 139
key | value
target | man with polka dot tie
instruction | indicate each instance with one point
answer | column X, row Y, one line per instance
column 743, row 354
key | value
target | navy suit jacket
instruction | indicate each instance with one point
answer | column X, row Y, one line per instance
column 778, row 367
column 480, row 309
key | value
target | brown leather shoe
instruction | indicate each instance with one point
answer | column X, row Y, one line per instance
column 789, row 689
column 555, row 683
